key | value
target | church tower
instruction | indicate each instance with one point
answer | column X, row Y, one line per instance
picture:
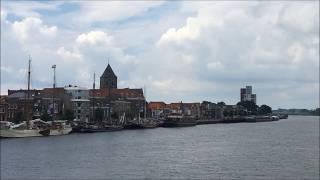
column 108, row 78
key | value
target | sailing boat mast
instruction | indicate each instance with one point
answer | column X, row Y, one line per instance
column 29, row 73
column 28, row 93
column 145, row 103
column 53, row 90
column 93, row 96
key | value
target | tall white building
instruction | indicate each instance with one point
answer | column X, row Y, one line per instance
column 80, row 102
column 246, row 94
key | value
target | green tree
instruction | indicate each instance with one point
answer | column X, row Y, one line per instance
column 264, row 109
column 18, row 118
column 114, row 115
column 98, row 115
column 221, row 103
column 46, row 117
column 68, row 115
column 249, row 105
column 316, row 112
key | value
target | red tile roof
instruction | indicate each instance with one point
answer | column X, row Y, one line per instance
column 126, row 92
column 156, row 105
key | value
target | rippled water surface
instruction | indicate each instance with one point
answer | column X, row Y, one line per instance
column 285, row 149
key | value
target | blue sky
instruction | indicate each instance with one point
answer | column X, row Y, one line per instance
column 180, row 51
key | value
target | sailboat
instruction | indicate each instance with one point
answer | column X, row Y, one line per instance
column 142, row 123
column 96, row 126
column 57, row 127
column 28, row 128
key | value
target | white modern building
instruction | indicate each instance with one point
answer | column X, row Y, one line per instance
column 79, row 101
column 246, row 94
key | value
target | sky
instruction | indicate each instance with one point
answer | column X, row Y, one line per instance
column 179, row 51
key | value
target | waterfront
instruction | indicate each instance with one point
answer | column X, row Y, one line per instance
column 285, row 149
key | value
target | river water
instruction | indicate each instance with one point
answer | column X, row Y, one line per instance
column 285, row 149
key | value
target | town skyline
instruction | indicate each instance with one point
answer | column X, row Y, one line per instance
column 194, row 55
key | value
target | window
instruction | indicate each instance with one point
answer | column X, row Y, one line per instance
column 79, row 111
column 79, row 104
column 78, row 116
column 79, row 97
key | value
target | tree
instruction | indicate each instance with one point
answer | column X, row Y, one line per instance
column 18, row 117
column 98, row 115
column 264, row 109
column 114, row 115
column 316, row 112
column 46, row 117
column 68, row 115
column 221, row 103
column 249, row 105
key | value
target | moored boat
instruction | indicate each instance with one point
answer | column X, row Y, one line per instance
column 59, row 127
column 98, row 128
column 178, row 120
column 30, row 128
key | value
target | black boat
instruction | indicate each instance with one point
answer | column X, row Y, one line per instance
column 95, row 128
column 178, row 120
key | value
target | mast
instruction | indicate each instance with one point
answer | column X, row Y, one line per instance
column 145, row 103
column 94, row 87
column 53, row 90
column 28, row 93
column 29, row 73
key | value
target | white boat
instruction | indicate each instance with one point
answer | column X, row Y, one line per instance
column 36, row 128
column 59, row 127
column 11, row 130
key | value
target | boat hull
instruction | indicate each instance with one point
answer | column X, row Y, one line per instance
column 59, row 132
column 96, row 130
column 178, row 124
column 14, row 133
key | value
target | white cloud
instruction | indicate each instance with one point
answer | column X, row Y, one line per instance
column 215, row 65
column 301, row 16
column 296, row 52
column 25, row 9
column 30, row 26
column 92, row 11
column 190, row 31
column 94, row 38
column 69, row 56
column 196, row 51
column 3, row 14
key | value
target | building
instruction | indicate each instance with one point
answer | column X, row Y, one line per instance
column 211, row 110
column 115, row 102
column 108, row 78
column 21, row 105
column 3, row 108
column 52, row 101
column 157, row 109
column 246, row 94
column 161, row 109
column 79, row 102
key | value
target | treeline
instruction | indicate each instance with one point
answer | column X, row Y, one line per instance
column 306, row 112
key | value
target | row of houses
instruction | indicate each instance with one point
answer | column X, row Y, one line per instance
column 203, row 110
column 82, row 102
column 107, row 103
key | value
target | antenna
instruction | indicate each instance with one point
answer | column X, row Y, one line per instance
column 29, row 72
column 94, row 80
column 54, row 75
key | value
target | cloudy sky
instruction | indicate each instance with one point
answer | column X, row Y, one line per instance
column 180, row 51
